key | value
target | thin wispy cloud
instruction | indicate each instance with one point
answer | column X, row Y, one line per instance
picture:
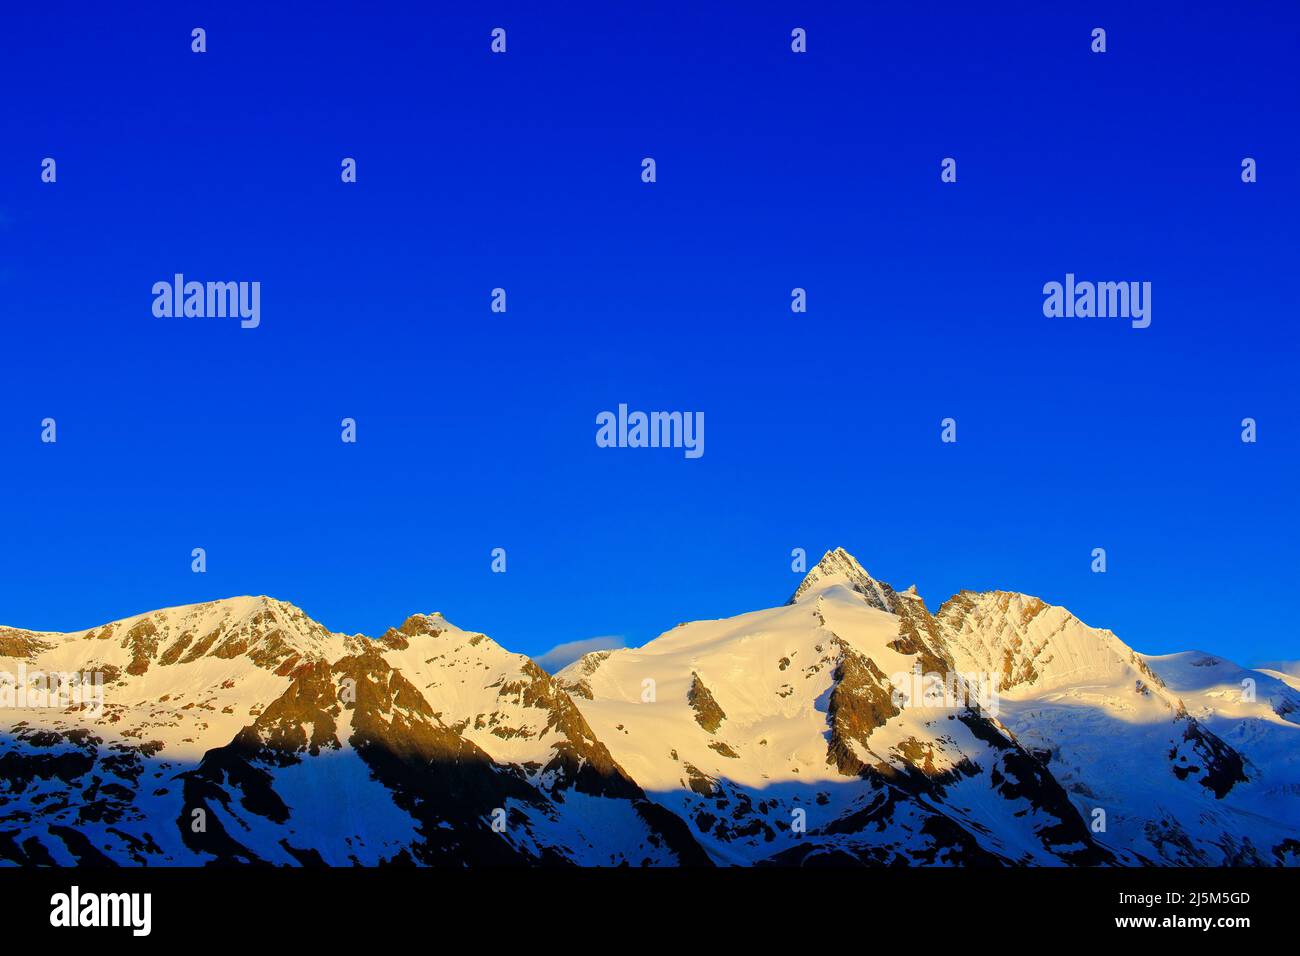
column 562, row 655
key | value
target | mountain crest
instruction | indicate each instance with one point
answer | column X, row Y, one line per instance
column 415, row 626
column 986, row 732
column 838, row 567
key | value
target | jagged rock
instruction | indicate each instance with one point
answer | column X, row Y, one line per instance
column 707, row 712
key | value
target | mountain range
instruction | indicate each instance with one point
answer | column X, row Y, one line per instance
column 850, row 725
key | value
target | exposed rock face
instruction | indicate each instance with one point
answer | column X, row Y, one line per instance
column 1216, row 766
column 707, row 712
column 860, row 702
column 446, row 784
column 20, row 645
column 921, row 635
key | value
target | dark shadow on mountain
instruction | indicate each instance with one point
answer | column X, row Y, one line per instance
column 60, row 791
column 68, row 798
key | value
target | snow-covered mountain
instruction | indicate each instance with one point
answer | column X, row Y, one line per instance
column 1186, row 768
column 240, row 731
column 848, row 726
column 778, row 736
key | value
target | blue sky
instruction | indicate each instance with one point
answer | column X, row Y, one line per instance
column 775, row 170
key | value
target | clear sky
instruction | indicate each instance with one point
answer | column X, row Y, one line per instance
column 775, row 170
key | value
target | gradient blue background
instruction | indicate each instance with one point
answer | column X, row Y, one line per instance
column 775, row 170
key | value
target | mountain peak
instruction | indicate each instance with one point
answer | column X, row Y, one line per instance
column 838, row 567
column 433, row 624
